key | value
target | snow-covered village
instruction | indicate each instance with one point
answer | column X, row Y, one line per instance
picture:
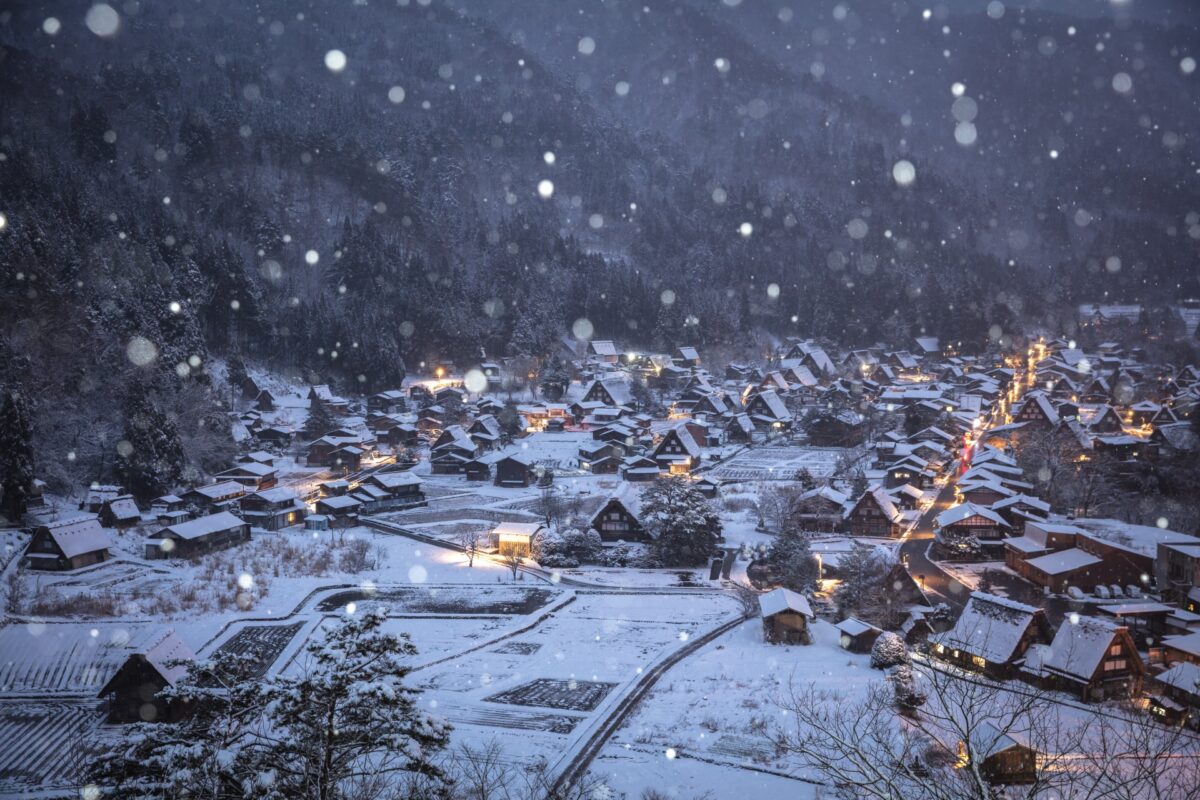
column 563, row 400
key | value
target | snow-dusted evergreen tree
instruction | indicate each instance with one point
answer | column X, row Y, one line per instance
column 683, row 524
column 568, row 548
column 553, row 379
column 888, row 651
column 16, row 454
column 150, row 459
column 348, row 723
column 320, row 420
column 209, row 754
column 791, row 561
column 863, row 591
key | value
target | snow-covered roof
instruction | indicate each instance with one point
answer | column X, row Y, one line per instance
column 990, row 627
column 1141, row 539
column 955, row 515
column 221, row 489
column 167, row 649
column 393, row 480
column 339, row 502
column 781, row 599
column 124, row 508
column 529, row 529
column 78, row 535
column 204, row 526
column 854, row 627
column 1077, row 649
column 280, row 494
column 1184, row 675
column 1025, row 544
column 1064, row 561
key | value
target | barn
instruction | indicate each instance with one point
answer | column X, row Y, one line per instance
column 131, row 694
column 198, row 536
column 785, row 616
column 67, row 544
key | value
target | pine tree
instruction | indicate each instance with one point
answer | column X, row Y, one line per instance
column 792, row 561
column 684, row 526
column 16, row 455
column 350, row 717
column 150, row 459
column 320, row 420
column 553, row 379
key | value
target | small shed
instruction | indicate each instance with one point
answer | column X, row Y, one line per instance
column 857, row 636
column 785, row 616
column 316, row 522
column 516, row 538
column 132, row 693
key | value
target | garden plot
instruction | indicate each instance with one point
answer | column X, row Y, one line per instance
column 264, row 643
column 43, row 744
column 518, row 648
column 63, row 658
column 508, row 718
column 457, row 600
column 570, row 695
column 779, row 463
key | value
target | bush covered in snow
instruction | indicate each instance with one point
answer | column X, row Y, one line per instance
column 568, row 548
column 889, row 650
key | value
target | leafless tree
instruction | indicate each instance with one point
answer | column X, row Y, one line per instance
column 468, row 540
column 747, row 599
column 939, row 748
column 513, row 561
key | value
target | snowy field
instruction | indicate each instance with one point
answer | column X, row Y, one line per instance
column 779, row 462
column 702, row 727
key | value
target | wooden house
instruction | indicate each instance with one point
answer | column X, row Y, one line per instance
column 619, row 518
column 99, row 494
column 785, row 617
column 486, row 432
column 341, row 510
column 1005, row 758
column 639, row 469
column 1090, row 657
column 402, row 490
column 198, row 536
column 451, row 450
column 265, row 400
column 513, row 471
column 272, row 509
column 991, row 635
column 677, row 452
column 120, row 513
column 132, row 693
column 401, row 434
column 253, row 475
column 970, row 522
column 477, row 469
column 1175, row 695
column 391, row 401
column 170, row 509
column 609, row 392
column 874, row 514
column 600, row 458
column 67, row 544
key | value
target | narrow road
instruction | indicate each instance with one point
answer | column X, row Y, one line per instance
column 937, row 584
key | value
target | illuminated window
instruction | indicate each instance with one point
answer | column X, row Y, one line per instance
column 979, row 661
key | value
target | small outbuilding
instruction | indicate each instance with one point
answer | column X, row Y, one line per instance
column 857, row 636
column 785, row 616
column 132, row 693
column 120, row 513
column 513, row 471
column 516, row 538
